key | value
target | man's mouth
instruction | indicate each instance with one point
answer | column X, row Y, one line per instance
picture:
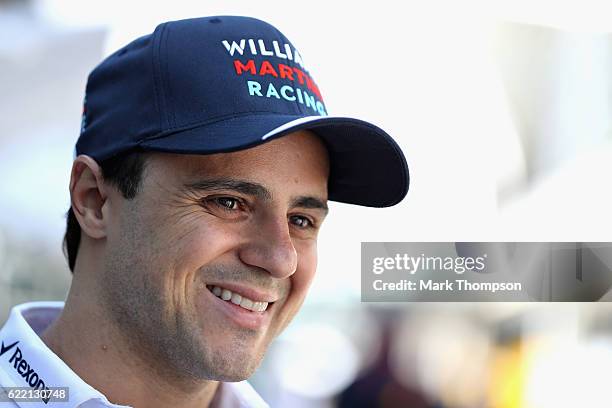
column 238, row 300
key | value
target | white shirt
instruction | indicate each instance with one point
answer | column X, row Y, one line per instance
column 26, row 361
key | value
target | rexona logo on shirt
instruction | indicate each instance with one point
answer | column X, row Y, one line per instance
column 21, row 365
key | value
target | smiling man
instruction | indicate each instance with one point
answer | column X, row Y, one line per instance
column 196, row 206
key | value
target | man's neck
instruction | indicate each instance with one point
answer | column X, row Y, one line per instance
column 88, row 342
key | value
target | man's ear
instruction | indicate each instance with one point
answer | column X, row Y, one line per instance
column 88, row 194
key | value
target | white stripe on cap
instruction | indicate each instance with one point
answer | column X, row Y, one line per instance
column 299, row 121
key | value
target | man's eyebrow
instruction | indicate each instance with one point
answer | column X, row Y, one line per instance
column 244, row 187
column 310, row 202
column 253, row 189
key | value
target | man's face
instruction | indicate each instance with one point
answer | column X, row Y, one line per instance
column 203, row 228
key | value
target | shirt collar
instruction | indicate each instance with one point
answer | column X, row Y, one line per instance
column 25, row 360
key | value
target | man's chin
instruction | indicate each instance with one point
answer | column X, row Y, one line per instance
column 236, row 372
column 234, row 377
column 234, row 363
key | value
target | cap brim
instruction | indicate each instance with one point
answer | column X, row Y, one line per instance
column 367, row 167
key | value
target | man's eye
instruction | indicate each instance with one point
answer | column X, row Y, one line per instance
column 225, row 207
column 227, row 203
column 301, row 222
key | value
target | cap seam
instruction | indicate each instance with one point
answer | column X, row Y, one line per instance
column 216, row 118
column 292, row 64
column 157, row 80
column 210, row 121
column 166, row 70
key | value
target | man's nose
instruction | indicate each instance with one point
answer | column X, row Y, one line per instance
column 271, row 248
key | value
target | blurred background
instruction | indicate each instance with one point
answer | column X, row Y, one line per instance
column 503, row 110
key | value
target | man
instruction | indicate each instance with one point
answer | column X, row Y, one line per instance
column 201, row 179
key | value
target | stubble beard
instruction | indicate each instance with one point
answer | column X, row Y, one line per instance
column 168, row 340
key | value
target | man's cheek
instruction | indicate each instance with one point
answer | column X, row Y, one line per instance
column 300, row 282
column 305, row 279
column 308, row 264
column 199, row 244
column 302, row 278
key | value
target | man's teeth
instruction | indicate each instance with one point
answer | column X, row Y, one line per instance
column 236, row 299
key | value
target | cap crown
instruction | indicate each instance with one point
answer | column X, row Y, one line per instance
column 190, row 73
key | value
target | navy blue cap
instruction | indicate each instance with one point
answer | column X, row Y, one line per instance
column 221, row 84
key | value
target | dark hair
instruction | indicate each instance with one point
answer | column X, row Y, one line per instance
column 124, row 172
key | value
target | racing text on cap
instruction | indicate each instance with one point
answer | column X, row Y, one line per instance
column 275, row 66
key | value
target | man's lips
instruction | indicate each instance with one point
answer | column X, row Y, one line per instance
column 238, row 310
column 239, row 299
column 248, row 291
